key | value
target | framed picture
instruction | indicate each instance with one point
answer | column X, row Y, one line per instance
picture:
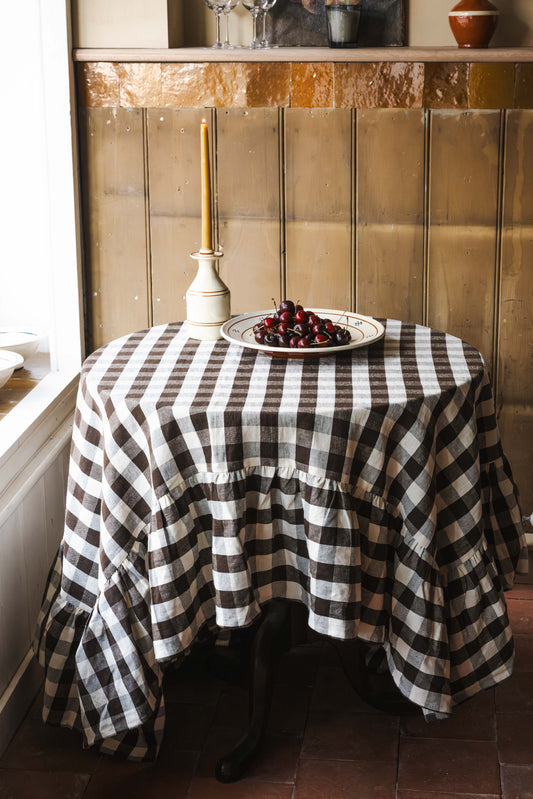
column 383, row 23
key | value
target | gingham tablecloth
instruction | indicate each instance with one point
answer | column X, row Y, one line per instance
column 206, row 479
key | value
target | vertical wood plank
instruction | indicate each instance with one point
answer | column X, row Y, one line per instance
column 390, row 213
column 515, row 386
column 36, row 560
column 175, row 205
column 55, row 487
column 463, row 225
column 14, row 635
column 249, row 205
column 112, row 159
column 318, row 168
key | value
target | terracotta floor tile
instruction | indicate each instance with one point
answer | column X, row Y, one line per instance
column 517, row 782
column 473, row 721
column 39, row 747
column 426, row 795
column 42, row 784
column 180, row 763
column 328, row 779
column 202, row 788
column 515, row 695
column 523, row 653
column 275, row 762
column 187, row 724
column 515, row 738
column 351, row 736
column 521, row 616
column 333, row 692
column 192, row 685
column 290, row 706
column 520, row 591
column 448, row 765
column 116, row 778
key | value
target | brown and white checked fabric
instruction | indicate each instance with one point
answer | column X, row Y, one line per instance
column 206, row 479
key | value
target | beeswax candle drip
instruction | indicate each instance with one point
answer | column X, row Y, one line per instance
column 208, row 297
column 207, row 224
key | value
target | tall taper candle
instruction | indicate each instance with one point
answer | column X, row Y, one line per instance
column 207, row 226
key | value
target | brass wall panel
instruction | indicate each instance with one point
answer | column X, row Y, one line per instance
column 413, row 214
column 318, row 191
column 463, row 225
column 248, row 189
column 174, row 192
column 515, row 374
column 390, row 213
column 115, row 239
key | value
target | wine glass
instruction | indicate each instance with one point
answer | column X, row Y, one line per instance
column 228, row 8
column 217, row 6
column 266, row 6
column 255, row 7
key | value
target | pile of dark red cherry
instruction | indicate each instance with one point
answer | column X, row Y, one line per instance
column 292, row 326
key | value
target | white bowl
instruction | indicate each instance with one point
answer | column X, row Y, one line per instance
column 9, row 361
column 23, row 340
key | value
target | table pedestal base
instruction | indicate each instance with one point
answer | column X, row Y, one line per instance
column 270, row 641
column 280, row 627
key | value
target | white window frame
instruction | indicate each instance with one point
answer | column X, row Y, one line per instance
column 37, row 417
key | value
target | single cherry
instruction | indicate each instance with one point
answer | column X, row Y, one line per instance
column 293, row 343
column 271, row 340
column 286, row 316
column 287, row 305
column 269, row 322
column 300, row 316
column 284, row 341
column 260, row 337
column 283, row 328
column 302, row 343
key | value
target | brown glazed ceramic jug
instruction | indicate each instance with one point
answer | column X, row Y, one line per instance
column 473, row 22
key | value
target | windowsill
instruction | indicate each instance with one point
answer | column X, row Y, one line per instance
column 34, row 421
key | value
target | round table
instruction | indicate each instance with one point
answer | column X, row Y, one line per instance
column 207, row 480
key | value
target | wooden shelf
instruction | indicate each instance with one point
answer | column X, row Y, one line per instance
column 308, row 54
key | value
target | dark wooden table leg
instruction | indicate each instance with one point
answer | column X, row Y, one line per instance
column 270, row 641
column 378, row 690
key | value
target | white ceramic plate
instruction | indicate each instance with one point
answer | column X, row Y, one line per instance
column 9, row 361
column 363, row 330
column 20, row 339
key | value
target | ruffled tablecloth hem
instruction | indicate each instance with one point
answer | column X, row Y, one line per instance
column 444, row 642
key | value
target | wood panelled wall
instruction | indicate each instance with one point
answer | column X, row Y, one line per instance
column 417, row 214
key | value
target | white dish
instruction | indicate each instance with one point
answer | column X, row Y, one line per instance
column 9, row 361
column 363, row 330
column 20, row 339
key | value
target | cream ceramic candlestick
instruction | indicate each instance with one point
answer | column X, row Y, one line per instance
column 208, row 298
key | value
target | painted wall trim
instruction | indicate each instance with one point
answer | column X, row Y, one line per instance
column 18, row 697
column 35, row 468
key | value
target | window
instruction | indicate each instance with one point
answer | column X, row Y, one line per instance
column 40, row 254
